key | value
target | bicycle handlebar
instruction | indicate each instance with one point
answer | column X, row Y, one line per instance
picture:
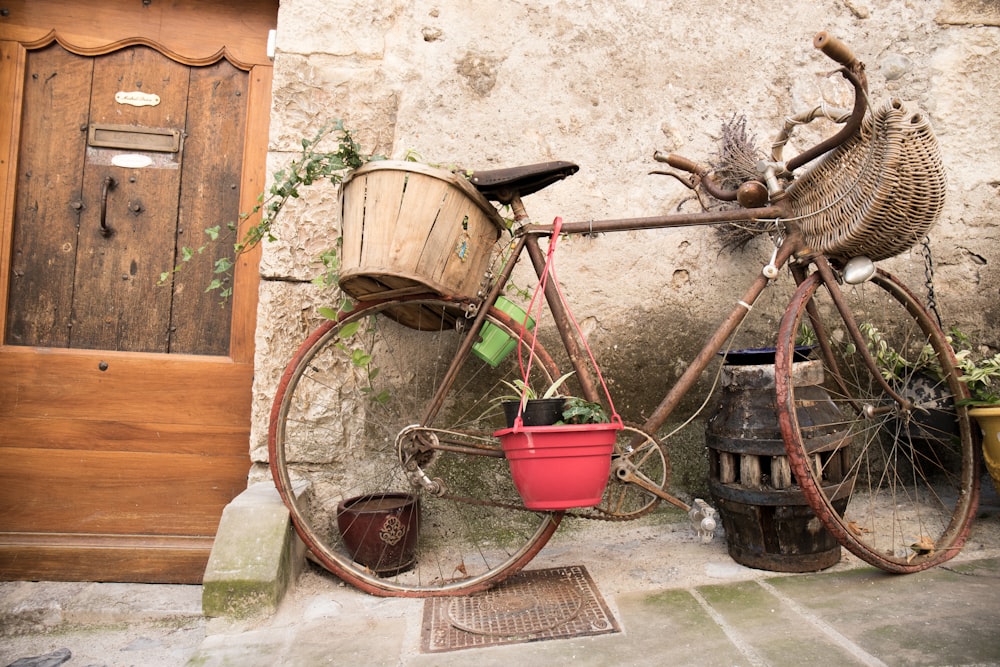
column 852, row 69
column 835, row 49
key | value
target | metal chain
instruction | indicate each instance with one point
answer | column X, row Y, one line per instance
column 929, row 280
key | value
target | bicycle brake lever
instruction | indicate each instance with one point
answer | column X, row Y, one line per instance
column 770, row 269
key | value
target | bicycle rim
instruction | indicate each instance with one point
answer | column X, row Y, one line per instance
column 895, row 482
column 349, row 392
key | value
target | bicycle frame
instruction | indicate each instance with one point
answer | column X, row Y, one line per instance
column 527, row 235
column 790, row 251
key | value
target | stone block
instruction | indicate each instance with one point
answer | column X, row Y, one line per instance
column 255, row 557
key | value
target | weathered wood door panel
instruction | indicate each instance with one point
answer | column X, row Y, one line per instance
column 128, row 220
column 111, row 229
column 48, row 198
column 124, row 406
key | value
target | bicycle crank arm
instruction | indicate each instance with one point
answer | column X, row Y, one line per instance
column 626, row 474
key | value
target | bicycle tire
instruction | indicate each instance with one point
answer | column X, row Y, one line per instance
column 352, row 388
column 896, row 483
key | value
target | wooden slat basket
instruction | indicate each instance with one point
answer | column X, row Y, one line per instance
column 407, row 228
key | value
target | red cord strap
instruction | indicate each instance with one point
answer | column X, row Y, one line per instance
column 550, row 271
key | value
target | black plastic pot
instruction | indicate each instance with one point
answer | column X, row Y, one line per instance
column 759, row 356
column 537, row 412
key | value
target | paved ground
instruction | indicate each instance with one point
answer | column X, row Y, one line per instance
column 675, row 599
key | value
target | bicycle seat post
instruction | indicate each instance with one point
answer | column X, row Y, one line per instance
column 517, row 207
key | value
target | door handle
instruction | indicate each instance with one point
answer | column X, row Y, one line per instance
column 109, row 184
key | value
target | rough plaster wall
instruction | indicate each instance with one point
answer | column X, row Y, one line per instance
column 604, row 84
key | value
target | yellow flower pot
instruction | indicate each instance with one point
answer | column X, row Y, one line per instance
column 989, row 422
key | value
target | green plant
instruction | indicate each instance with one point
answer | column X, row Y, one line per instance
column 806, row 336
column 313, row 165
column 980, row 370
column 576, row 410
column 581, row 411
column 360, row 357
column 895, row 368
column 522, row 390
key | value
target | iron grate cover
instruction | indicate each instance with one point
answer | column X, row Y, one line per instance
column 533, row 605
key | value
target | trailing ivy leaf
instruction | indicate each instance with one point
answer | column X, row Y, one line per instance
column 329, row 313
column 360, row 358
column 349, row 330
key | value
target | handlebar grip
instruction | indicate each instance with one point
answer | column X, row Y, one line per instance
column 678, row 162
column 834, row 48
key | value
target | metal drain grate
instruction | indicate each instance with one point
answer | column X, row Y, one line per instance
column 556, row 603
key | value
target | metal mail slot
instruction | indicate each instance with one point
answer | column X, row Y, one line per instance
column 133, row 138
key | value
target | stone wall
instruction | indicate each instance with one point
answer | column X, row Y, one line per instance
column 604, row 84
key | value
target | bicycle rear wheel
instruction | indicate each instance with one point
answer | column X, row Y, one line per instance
column 352, row 417
column 895, row 481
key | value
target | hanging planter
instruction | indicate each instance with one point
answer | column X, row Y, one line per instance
column 559, row 467
column 494, row 344
column 563, row 465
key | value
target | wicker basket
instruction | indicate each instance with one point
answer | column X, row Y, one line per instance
column 408, row 228
column 877, row 194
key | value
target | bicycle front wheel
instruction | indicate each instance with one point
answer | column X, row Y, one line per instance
column 889, row 467
column 353, row 424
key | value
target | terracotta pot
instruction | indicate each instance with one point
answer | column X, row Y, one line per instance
column 380, row 530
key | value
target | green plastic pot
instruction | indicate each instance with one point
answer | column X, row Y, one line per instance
column 495, row 345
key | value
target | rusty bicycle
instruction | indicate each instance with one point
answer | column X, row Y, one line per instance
column 391, row 400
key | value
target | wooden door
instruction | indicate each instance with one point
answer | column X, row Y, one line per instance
column 124, row 403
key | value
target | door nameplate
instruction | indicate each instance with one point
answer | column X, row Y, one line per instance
column 137, row 98
column 134, row 138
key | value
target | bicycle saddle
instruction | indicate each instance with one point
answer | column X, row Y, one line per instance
column 501, row 185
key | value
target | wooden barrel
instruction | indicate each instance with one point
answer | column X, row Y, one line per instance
column 407, row 228
column 767, row 521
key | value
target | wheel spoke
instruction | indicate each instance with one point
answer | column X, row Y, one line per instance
column 911, row 462
column 346, row 420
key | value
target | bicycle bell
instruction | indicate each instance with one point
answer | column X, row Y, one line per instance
column 858, row 270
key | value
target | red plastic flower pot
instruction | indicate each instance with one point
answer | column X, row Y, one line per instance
column 558, row 467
